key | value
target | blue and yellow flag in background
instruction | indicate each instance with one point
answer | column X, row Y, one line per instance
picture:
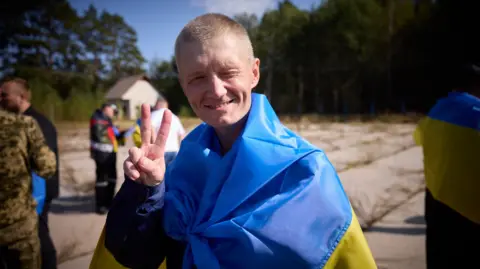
column 450, row 137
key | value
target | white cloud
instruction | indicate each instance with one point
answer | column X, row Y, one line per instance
column 232, row 7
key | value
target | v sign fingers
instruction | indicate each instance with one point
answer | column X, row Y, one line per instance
column 162, row 135
column 146, row 125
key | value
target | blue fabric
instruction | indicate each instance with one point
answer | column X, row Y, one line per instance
column 273, row 201
column 169, row 157
column 461, row 109
column 39, row 191
column 115, row 130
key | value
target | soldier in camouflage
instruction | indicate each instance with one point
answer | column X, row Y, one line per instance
column 22, row 149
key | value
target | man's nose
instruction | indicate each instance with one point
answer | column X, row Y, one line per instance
column 217, row 87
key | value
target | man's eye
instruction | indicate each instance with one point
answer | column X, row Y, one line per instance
column 229, row 74
column 197, row 78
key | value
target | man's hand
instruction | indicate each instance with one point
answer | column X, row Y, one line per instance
column 146, row 164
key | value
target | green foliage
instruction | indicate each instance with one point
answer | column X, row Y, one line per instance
column 78, row 107
column 185, row 111
column 68, row 58
column 341, row 56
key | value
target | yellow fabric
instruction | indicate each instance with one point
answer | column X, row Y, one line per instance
column 417, row 135
column 103, row 259
column 115, row 145
column 137, row 137
column 452, row 165
column 352, row 251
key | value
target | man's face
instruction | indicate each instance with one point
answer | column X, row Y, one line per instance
column 217, row 79
column 109, row 112
column 11, row 97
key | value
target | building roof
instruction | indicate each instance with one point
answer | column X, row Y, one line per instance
column 123, row 85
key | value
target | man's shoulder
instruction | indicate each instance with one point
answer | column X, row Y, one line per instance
column 197, row 132
column 316, row 166
column 7, row 118
column 40, row 118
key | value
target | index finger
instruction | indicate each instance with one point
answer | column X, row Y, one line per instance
column 164, row 129
column 146, row 125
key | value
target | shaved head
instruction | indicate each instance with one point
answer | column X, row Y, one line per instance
column 205, row 28
column 21, row 85
column 15, row 94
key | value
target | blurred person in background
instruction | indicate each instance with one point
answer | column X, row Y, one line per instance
column 16, row 96
column 104, row 141
column 176, row 133
column 450, row 138
column 22, row 149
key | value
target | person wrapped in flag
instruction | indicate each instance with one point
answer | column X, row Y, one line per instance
column 243, row 192
column 450, row 138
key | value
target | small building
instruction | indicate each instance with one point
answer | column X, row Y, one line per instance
column 130, row 93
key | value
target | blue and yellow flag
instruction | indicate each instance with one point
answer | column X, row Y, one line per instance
column 450, row 137
column 136, row 135
column 273, row 201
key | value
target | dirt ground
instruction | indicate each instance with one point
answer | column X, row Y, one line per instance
column 378, row 164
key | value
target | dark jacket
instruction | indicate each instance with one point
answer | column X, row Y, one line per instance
column 104, row 137
column 50, row 133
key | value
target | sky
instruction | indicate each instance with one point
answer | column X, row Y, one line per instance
column 158, row 22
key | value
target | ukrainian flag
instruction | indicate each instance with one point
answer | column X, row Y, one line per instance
column 136, row 136
column 103, row 259
column 450, row 137
column 273, row 201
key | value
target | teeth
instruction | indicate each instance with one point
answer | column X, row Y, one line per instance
column 218, row 105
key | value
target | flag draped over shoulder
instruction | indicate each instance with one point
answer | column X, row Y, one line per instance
column 450, row 137
column 273, row 201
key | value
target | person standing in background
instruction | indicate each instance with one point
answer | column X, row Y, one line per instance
column 450, row 139
column 176, row 133
column 16, row 98
column 22, row 149
column 104, row 141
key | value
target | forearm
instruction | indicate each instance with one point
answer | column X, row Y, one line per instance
column 134, row 234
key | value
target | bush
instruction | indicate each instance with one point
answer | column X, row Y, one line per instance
column 77, row 107
column 185, row 111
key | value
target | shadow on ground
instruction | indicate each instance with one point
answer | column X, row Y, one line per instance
column 398, row 230
column 73, row 204
column 417, row 228
column 418, row 220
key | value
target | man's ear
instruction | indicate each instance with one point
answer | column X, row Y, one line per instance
column 256, row 72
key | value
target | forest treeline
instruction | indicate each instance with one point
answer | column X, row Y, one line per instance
column 339, row 57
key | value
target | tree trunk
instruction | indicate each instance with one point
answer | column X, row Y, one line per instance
column 268, row 90
column 301, row 90
column 318, row 100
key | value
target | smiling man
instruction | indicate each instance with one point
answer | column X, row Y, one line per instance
column 243, row 192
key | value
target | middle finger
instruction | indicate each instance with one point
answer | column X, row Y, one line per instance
column 146, row 125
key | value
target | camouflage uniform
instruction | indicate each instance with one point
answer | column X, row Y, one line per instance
column 22, row 150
